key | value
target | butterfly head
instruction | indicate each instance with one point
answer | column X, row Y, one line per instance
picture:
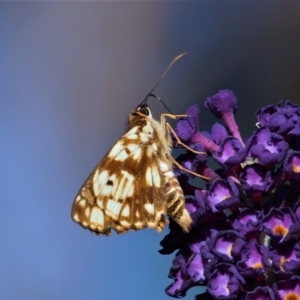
column 139, row 116
column 143, row 109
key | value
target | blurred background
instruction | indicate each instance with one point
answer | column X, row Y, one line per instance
column 70, row 72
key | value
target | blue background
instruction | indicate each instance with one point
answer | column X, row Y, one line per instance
column 70, row 72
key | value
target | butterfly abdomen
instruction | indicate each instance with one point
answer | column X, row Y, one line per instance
column 175, row 202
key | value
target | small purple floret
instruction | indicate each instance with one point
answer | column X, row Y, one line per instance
column 187, row 127
column 261, row 293
column 254, row 259
column 254, row 178
column 230, row 153
column 292, row 164
column 227, row 245
column 288, row 288
column 280, row 224
column 286, row 257
column 223, row 105
column 283, row 118
column 223, row 102
column 247, row 221
column 225, row 281
column 266, row 146
column 222, row 194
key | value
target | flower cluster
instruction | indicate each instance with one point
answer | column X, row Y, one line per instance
column 244, row 240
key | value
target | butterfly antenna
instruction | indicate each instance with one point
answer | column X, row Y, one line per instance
column 161, row 78
column 162, row 102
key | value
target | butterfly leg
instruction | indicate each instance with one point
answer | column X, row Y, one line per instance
column 180, row 167
column 179, row 142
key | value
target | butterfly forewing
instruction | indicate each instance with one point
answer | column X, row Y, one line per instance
column 133, row 187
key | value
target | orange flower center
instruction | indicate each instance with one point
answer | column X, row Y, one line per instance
column 296, row 169
column 292, row 296
column 257, row 265
column 280, row 229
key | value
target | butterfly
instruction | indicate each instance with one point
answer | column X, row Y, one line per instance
column 134, row 186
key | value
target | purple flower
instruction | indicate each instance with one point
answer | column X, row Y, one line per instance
column 227, row 245
column 247, row 221
column 178, row 273
column 264, row 114
column 224, row 102
column 288, row 288
column 180, row 286
column 266, row 146
column 195, row 203
column 286, row 257
column 244, row 238
column 223, row 105
column 219, row 133
column 195, row 268
column 254, row 178
column 187, row 127
column 225, row 281
column 282, row 118
column 288, row 109
column 292, row 164
column 230, row 153
column 254, row 259
column 222, row 194
column 280, row 224
column 261, row 293
column 191, row 161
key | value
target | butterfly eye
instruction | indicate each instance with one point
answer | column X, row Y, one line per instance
column 144, row 110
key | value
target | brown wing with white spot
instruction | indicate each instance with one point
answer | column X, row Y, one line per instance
column 124, row 191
